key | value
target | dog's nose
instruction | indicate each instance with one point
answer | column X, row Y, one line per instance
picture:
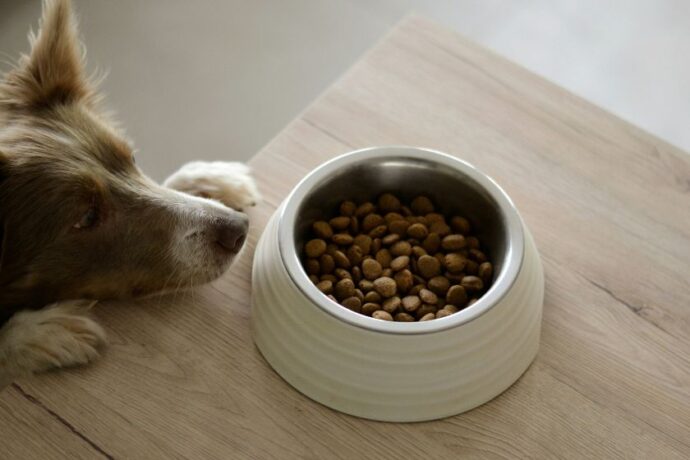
column 232, row 232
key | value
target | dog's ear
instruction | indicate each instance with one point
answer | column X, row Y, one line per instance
column 53, row 72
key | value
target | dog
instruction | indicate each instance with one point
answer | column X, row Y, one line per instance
column 80, row 222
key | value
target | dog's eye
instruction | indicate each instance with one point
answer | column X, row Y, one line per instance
column 88, row 220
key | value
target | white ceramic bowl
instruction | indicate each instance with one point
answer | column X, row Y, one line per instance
column 387, row 370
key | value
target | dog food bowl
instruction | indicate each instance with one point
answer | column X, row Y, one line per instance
column 396, row 371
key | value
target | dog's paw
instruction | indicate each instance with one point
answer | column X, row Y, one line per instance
column 57, row 336
column 228, row 182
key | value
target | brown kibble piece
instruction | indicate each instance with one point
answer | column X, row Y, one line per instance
column 392, row 216
column 327, row 263
column 428, row 266
column 354, row 254
column 399, row 227
column 439, row 285
column 422, row 205
column 417, row 231
column 371, row 221
column 390, row 239
column 457, row 296
column 384, row 257
column 485, row 272
column 325, row 286
column 454, row 278
column 471, row 267
column 454, row 262
column 418, row 251
column 365, row 285
column 389, row 203
column 427, row 296
column 472, row 242
column 385, row 286
column 313, row 267
column 364, row 242
column 331, row 248
column 365, row 209
column 344, row 288
column 442, row 313
column 400, row 262
column 347, row 208
column 401, row 248
column 440, row 228
column 425, row 309
column 453, row 242
column 434, row 217
column 432, row 243
column 403, row 317
column 416, row 288
column 371, row 269
column 314, row 279
column 439, row 256
column 330, row 296
column 369, row 308
column 354, row 225
column 314, row 248
column 359, row 294
column 373, row 296
column 341, row 273
column 379, row 231
column 387, row 272
column 460, row 225
column 428, row 317
column 329, row 277
column 339, row 223
column 411, row 303
column 352, row 303
column 404, row 280
column 342, row 239
column 322, row 229
column 472, row 283
column 477, row 255
column 341, row 260
column 356, row 274
column 375, row 245
column 391, row 304
column 451, row 308
column 382, row 315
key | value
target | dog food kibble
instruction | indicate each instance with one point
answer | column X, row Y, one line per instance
column 403, row 317
column 428, row 316
column 385, row 286
column 381, row 314
column 428, row 266
column 371, row 268
column 397, row 261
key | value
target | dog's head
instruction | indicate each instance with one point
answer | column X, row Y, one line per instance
column 78, row 219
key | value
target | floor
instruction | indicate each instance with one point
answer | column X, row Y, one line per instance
column 218, row 79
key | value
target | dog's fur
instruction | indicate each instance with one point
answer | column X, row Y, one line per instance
column 78, row 219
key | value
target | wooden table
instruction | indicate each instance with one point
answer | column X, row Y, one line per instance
column 609, row 206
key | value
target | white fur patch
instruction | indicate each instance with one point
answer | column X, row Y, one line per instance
column 227, row 182
column 56, row 336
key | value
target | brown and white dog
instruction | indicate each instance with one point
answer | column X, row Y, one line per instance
column 80, row 222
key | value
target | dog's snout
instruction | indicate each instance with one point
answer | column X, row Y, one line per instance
column 231, row 233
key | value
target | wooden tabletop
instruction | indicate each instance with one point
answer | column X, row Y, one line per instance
column 608, row 204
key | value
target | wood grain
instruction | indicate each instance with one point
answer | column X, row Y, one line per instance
column 27, row 430
column 608, row 204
